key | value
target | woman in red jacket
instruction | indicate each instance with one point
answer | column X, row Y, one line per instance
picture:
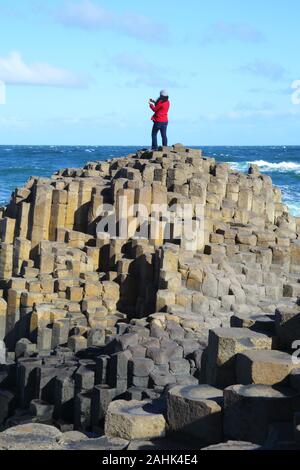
column 161, row 108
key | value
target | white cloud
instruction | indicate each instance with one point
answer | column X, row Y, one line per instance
column 2, row 92
column 264, row 68
column 241, row 113
column 222, row 31
column 89, row 15
column 144, row 71
column 275, row 91
column 13, row 122
column 10, row 11
column 14, row 70
column 135, row 63
column 248, row 106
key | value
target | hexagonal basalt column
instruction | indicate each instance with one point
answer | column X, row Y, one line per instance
column 196, row 410
column 250, row 409
column 135, row 420
column 223, row 346
column 263, row 367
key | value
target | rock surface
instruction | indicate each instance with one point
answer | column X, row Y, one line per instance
column 267, row 404
column 125, row 278
column 42, row 437
column 30, row 437
column 234, row 445
column 196, row 410
column 135, row 420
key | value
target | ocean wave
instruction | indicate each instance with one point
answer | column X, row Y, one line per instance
column 20, row 170
column 281, row 166
column 294, row 207
column 239, row 166
column 290, row 197
column 4, row 196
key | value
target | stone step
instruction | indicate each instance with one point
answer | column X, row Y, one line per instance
column 267, row 404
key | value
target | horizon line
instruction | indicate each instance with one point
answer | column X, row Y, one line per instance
column 147, row 146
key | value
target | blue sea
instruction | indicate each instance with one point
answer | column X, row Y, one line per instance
column 18, row 163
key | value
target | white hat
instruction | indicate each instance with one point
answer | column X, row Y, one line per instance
column 164, row 93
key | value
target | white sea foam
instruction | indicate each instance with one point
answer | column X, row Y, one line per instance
column 291, row 198
column 293, row 205
column 294, row 209
column 4, row 196
column 239, row 166
column 281, row 166
column 290, row 195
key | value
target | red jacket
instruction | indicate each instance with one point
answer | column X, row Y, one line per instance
column 161, row 110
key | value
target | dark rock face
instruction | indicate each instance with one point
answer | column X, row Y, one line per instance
column 196, row 410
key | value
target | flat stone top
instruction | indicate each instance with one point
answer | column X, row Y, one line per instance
column 256, row 317
column 32, row 429
column 144, row 408
column 196, row 392
column 101, row 443
column 168, row 443
column 263, row 317
column 263, row 391
column 236, row 333
column 268, row 355
column 288, row 310
column 234, row 445
column 31, row 436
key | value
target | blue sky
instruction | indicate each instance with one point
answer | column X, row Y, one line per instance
column 81, row 72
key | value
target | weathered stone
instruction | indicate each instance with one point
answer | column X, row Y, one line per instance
column 82, row 410
column 265, row 403
column 135, row 420
column 223, row 345
column 142, row 367
column 30, row 436
column 102, row 396
column 83, row 301
column 162, row 379
column 64, row 396
column 85, row 377
column 103, row 443
column 261, row 323
column 263, row 367
column 41, row 410
column 180, row 366
column 196, row 410
column 234, row 445
column 28, row 377
column 288, row 325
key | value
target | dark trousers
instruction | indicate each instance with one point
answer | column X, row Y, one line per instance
column 162, row 128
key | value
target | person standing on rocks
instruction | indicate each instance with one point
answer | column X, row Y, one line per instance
column 160, row 118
